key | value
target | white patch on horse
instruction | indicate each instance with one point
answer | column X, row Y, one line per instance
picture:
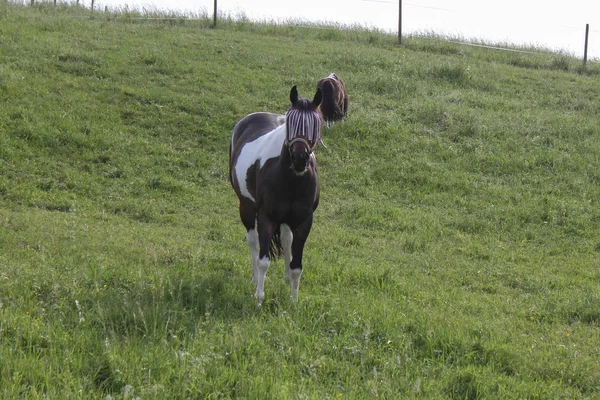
column 264, row 148
column 235, row 129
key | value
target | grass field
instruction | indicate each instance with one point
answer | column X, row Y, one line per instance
column 454, row 255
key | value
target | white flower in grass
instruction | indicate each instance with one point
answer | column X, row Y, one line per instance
column 81, row 318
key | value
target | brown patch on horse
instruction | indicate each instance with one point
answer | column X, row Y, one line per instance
column 334, row 106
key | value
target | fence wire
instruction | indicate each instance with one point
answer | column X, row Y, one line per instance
column 208, row 5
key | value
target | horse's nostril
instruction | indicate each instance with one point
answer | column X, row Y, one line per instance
column 300, row 157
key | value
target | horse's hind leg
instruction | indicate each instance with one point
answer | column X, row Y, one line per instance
column 286, row 242
column 265, row 232
column 252, row 240
column 248, row 216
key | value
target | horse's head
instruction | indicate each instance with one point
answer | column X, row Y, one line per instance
column 334, row 106
column 303, row 129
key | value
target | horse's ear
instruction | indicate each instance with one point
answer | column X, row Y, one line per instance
column 318, row 97
column 294, row 94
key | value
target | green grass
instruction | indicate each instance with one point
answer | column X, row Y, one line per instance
column 454, row 254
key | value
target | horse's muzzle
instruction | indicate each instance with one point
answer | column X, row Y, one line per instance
column 300, row 160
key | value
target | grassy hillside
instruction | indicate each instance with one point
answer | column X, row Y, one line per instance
column 454, row 255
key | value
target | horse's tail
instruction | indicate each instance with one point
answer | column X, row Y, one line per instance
column 275, row 247
column 230, row 165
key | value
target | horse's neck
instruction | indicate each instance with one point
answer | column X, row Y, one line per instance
column 285, row 160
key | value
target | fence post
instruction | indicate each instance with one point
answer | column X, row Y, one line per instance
column 215, row 16
column 400, row 22
column 585, row 48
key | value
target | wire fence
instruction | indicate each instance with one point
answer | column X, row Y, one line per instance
column 526, row 34
column 495, row 22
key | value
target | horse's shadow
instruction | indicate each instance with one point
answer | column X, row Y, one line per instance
column 230, row 297
column 219, row 295
column 181, row 303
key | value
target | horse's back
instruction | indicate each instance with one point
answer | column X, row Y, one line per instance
column 253, row 126
column 256, row 137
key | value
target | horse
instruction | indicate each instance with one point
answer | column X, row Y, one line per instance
column 273, row 171
column 334, row 106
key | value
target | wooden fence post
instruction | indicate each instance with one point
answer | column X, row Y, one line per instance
column 215, row 16
column 585, row 48
column 400, row 22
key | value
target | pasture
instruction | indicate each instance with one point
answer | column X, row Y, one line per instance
column 454, row 254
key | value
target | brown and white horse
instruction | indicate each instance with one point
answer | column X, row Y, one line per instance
column 334, row 106
column 273, row 171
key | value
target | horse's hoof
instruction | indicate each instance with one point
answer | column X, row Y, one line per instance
column 259, row 298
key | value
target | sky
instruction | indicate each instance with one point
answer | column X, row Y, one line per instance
column 557, row 25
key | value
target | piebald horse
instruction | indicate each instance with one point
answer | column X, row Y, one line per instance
column 334, row 106
column 273, row 171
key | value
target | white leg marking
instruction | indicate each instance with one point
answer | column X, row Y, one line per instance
column 286, row 242
column 252, row 239
column 295, row 274
column 262, row 267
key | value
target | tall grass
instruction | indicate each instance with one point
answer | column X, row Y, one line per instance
column 454, row 253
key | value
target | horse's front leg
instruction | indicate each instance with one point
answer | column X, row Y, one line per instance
column 266, row 229
column 300, row 237
column 286, row 242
